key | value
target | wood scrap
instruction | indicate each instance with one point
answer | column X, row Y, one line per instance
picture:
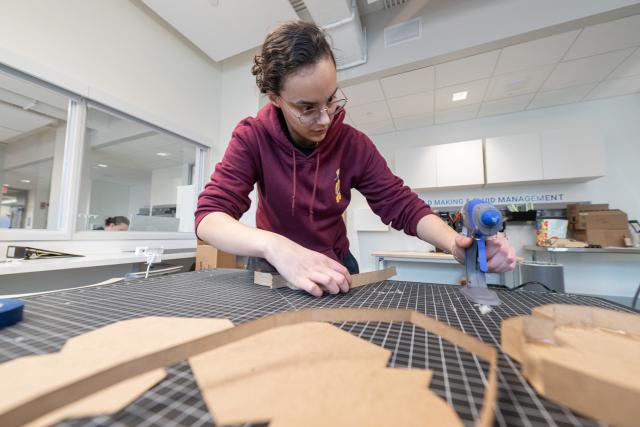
column 23, row 403
column 586, row 358
column 276, row 281
column 315, row 374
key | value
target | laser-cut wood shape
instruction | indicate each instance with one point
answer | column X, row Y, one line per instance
column 276, row 281
column 73, row 384
column 315, row 374
column 586, row 358
column 95, row 351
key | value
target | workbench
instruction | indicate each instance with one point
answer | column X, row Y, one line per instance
column 458, row 376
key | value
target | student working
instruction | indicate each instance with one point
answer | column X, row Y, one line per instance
column 305, row 161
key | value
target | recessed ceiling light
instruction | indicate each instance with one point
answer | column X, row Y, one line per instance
column 102, row 165
column 163, row 154
column 26, row 181
column 459, row 96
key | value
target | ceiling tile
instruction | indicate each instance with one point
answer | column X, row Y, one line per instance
column 369, row 113
column 560, row 96
column 457, row 114
column 411, row 105
column 476, row 91
column 585, row 70
column 466, row 69
column 363, row 93
column 630, row 66
column 617, row 87
column 412, row 122
column 618, row 34
column 548, row 50
column 505, row 106
column 518, row 83
column 384, row 126
column 416, row 81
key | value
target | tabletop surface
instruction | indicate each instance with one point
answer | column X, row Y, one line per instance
column 458, row 375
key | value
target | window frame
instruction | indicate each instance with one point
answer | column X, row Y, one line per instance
column 71, row 174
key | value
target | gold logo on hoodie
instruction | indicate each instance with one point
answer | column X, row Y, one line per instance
column 337, row 189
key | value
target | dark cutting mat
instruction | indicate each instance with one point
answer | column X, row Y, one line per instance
column 458, row 378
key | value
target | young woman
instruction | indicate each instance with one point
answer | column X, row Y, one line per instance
column 305, row 161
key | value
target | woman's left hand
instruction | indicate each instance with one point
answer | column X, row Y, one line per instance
column 501, row 255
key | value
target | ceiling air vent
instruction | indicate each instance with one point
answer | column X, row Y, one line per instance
column 403, row 32
column 388, row 4
column 301, row 10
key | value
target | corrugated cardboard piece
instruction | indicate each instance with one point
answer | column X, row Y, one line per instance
column 209, row 257
column 27, row 399
column 586, row 358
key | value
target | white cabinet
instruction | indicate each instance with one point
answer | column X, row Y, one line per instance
column 513, row 159
column 572, row 155
column 417, row 166
column 460, row 164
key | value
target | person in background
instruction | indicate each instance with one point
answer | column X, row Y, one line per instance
column 116, row 223
column 306, row 160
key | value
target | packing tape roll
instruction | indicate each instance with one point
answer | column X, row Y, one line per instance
column 10, row 311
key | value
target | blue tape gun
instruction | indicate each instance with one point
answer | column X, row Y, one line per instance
column 10, row 311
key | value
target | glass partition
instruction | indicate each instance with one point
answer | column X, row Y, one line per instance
column 135, row 178
column 33, row 123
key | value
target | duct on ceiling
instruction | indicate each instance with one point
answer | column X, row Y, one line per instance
column 340, row 18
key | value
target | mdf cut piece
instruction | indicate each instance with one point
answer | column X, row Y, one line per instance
column 276, row 281
column 586, row 358
column 193, row 339
column 315, row 374
column 26, row 377
column 105, row 402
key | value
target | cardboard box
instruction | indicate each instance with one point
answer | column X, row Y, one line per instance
column 209, row 257
column 574, row 209
column 602, row 220
column 602, row 237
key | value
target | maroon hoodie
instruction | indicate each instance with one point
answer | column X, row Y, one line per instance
column 303, row 197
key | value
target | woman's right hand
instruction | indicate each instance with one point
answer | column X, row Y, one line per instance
column 306, row 269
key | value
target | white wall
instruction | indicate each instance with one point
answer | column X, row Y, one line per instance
column 240, row 99
column 615, row 118
column 115, row 52
column 164, row 184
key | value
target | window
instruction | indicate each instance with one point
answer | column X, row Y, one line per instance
column 135, row 177
column 32, row 137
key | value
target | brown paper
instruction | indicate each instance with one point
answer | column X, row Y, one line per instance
column 32, row 400
column 591, row 364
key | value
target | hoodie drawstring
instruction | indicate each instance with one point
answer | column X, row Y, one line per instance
column 315, row 185
column 293, row 190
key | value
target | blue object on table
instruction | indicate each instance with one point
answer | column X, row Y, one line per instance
column 10, row 311
column 481, row 220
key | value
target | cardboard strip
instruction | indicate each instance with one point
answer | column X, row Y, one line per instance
column 275, row 281
column 76, row 385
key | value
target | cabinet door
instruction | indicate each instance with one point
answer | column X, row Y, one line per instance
column 513, row 158
column 460, row 164
column 577, row 155
column 417, row 166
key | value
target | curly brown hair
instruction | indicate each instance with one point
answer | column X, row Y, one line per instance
column 289, row 47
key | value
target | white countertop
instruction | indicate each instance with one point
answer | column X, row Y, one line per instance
column 19, row 266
